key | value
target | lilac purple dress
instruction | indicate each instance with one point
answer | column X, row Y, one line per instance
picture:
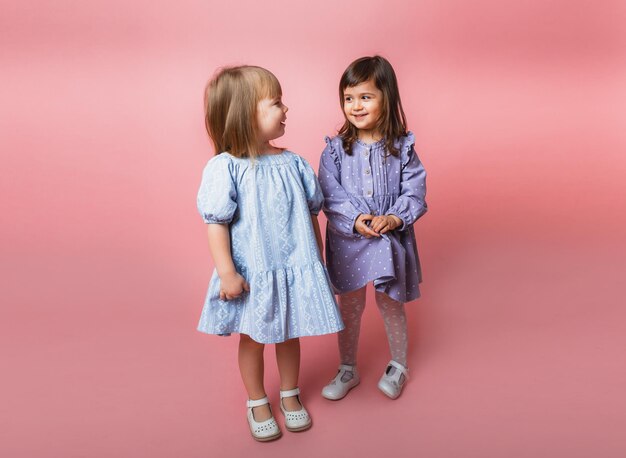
column 372, row 181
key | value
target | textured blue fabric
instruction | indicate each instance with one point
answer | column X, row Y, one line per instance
column 267, row 203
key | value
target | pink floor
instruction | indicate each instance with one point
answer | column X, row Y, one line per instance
column 516, row 351
column 517, row 346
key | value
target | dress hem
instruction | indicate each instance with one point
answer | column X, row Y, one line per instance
column 271, row 341
column 408, row 298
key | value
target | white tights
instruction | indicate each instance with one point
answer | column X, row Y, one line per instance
column 352, row 305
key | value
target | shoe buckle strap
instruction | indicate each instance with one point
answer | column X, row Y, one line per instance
column 257, row 402
column 289, row 393
column 400, row 367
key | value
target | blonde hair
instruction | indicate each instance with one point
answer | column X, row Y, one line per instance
column 230, row 107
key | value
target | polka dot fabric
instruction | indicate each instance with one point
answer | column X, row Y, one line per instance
column 370, row 180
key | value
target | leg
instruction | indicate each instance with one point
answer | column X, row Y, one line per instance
column 351, row 305
column 394, row 317
column 251, row 368
column 288, row 360
column 392, row 381
column 395, row 324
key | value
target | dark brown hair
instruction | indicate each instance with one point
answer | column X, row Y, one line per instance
column 230, row 107
column 392, row 122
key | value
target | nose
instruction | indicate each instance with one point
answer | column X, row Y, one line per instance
column 285, row 108
column 357, row 104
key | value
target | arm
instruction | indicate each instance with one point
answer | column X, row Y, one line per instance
column 217, row 203
column 232, row 284
column 411, row 203
column 341, row 212
column 318, row 234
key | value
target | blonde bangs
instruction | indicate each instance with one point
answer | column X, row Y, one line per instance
column 267, row 84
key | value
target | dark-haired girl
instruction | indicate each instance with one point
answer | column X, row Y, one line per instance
column 374, row 189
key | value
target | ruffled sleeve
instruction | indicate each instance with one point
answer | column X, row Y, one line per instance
column 338, row 207
column 217, row 197
column 312, row 189
column 411, row 203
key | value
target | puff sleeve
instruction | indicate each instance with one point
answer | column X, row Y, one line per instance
column 217, row 196
column 311, row 186
column 411, row 203
column 338, row 207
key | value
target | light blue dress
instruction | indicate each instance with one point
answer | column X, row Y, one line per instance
column 267, row 203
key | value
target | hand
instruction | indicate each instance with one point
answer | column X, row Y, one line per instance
column 362, row 228
column 232, row 285
column 385, row 223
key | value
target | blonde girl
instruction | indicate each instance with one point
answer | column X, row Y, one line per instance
column 260, row 204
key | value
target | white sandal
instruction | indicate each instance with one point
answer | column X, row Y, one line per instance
column 264, row 430
column 296, row 420
column 337, row 389
column 391, row 385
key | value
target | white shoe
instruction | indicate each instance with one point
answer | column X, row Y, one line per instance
column 391, row 385
column 337, row 389
column 265, row 430
column 295, row 420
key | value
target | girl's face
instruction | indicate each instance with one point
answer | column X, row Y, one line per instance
column 271, row 116
column 363, row 106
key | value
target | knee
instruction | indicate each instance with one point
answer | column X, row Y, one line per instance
column 246, row 341
column 384, row 302
column 381, row 302
column 290, row 343
column 351, row 304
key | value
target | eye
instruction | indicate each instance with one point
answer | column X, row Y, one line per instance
column 348, row 99
column 366, row 97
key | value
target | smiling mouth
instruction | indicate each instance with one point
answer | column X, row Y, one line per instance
column 359, row 116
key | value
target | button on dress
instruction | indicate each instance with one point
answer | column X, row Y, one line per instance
column 372, row 181
column 267, row 203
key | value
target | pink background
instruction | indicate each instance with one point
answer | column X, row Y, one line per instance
column 517, row 347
